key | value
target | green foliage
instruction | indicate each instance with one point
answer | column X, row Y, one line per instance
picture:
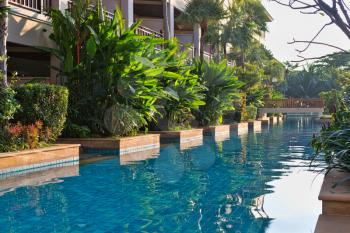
column 333, row 142
column 183, row 90
column 221, row 90
column 252, row 112
column 76, row 131
column 8, row 105
column 116, row 68
column 43, row 102
column 333, row 100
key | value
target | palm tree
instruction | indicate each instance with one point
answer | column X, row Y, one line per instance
column 247, row 19
column 203, row 13
column 3, row 36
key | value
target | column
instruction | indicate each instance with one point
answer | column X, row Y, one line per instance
column 127, row 7
column 197, row 40
column 168, row 19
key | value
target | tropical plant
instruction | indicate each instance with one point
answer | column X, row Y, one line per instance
column 247, row 19
column 222, row 88
column 203, row 13
column 182, row 88
column 333, row 141
column 116, row 69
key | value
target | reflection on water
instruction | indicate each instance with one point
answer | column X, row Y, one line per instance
column 257, row 182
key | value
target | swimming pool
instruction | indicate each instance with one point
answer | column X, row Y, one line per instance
column 260, row 182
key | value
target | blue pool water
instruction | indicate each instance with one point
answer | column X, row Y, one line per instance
column 256, row 183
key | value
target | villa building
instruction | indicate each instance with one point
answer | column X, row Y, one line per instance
column 29, row 28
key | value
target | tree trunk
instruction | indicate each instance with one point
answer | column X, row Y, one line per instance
column 3, row 48
column 202, row 40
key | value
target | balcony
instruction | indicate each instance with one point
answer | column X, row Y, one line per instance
column 39, row 6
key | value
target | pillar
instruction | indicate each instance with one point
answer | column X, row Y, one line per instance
column 197, row 40
column 127, row 7
column 168, row 19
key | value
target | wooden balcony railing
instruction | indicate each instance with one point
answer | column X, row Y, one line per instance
column 294, row 103
column 39, row 6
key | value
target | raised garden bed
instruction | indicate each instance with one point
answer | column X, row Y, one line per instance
column 116, row 146
column 219, row 132
column 181, row 136
column 273, row 120
column 239, row 128
column 335, row 215
column 335, row 200
column 254, row 126
column 15, row 162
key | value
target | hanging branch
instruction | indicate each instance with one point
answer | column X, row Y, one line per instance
column 337, row 11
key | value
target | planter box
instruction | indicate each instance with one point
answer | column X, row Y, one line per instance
column 182, row 136
column 239, row 128
column 273, row 120
column 132, row 158
column 280, row 119
column 116, row 146
column 191, row 144
column 15, row 162
column 335, row 200
column 38, row 177
column 265, row 121
column 333, row 224
column 219, row 132
column 254, row 126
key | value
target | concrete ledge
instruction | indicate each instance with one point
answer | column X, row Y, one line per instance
column 333, row 224
column 239, row 128
column 219, row 132
column 116, row 146
column 273, row 120
column 32, row 159
column 335, row 200
column 254, row 125
column 181, row 136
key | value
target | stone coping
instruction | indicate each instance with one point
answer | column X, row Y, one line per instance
column 217, row 128
column 117, row 145
column 40, row 150
column 180, row 136
column 340, row 193
column 333, row 224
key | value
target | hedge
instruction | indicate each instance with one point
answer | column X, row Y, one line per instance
column 45, row 103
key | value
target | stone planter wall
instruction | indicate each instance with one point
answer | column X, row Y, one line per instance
column 117, row 146
column 33, row 159
column 219, row 132
column 239, row 128
column 254, row 126
column 335, row 215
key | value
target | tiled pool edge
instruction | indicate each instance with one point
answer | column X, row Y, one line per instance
column 28, row 160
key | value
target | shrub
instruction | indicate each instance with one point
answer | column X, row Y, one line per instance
column 221, row 89
column 45, row 103
column 252, row 112
column 8, row 105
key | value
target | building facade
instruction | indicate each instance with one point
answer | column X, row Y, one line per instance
column 30, row 28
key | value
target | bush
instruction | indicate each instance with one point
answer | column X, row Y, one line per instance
column 8, row 105
column 252, row 112
column 45, row 103
column 221, row 89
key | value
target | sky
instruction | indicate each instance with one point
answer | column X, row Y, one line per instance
column 289, row 24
